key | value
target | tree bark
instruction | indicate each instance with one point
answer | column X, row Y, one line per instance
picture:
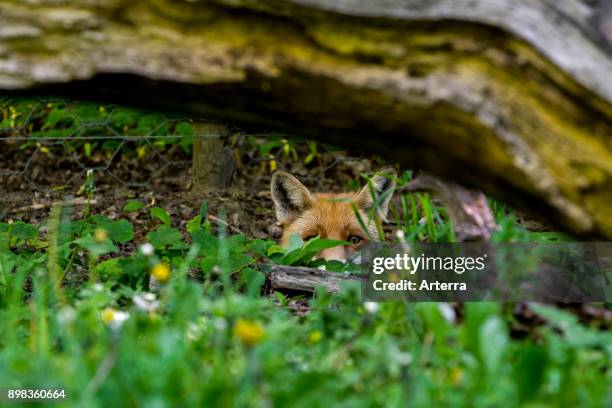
column 511, row 96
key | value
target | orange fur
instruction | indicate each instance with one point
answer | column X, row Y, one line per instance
column 330, row 216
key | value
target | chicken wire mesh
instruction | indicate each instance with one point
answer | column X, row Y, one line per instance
column 51, row 147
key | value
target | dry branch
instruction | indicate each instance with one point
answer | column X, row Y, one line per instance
column 68, row 203
column 306, row 279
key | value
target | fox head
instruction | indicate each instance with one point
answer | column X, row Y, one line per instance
column 332, row 216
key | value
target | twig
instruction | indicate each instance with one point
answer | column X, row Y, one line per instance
column 76, row 201
column 222, row 221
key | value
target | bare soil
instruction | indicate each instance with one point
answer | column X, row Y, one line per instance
column 33, row 178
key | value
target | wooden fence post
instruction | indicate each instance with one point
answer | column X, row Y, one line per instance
column 213, row 163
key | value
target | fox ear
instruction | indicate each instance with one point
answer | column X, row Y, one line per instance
column 290, row 197
column 378, row 192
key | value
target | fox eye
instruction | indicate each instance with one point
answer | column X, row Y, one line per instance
column 355, row 239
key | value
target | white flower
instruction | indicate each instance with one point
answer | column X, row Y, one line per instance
column 220, row 323
column 66, row 315
column 371, row 307
column 98, row 287
column 195, row 330
column 114, row 318
column 447, row 312
column 400, row 234
column 146, row 249
column 146, row 302
column 403, row 358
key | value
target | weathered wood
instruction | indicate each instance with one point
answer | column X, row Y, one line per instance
column 213, row 165
column 306, row 279
column 512, row 96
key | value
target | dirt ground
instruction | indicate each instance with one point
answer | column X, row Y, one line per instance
column 35, row 177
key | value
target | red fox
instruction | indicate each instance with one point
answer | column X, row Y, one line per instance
column 332, row 216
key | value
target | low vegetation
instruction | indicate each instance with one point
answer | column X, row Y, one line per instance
column 78, row 312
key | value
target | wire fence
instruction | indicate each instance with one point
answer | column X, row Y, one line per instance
column 48, row 146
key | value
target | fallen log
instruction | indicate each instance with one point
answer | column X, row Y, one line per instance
column 306, row 279
column 510, row 96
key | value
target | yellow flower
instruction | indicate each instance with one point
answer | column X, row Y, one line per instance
column 100, row 235
column 315, row 336
column 456, row 375
column 273, row 165
column 142, row 151
column 107, row 315
column 249, row 332
column 161, row 272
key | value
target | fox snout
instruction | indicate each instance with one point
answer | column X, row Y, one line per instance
column 350, row 217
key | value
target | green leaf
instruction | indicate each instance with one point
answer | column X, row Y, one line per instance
column 184, row 129
column 161, row 214
column 166, row 238
column 317, row 244
column 574, row 333
column 120, row 231
column 529, row 371
column 208, row 243
column 4, row 241
column 236, row 262
column 132, row 205
column 194, row 224
column 550, row 237
column 253, row 280
column 477, row 314
column 262, row 247
column 296, row 251
column 22, row 230
column 275, row 249
column 96, row 248
column 295, row 242
column 493, row 342
column 109, row 267
column 292, row 257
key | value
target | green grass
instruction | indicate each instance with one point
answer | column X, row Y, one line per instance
column 218, row 342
